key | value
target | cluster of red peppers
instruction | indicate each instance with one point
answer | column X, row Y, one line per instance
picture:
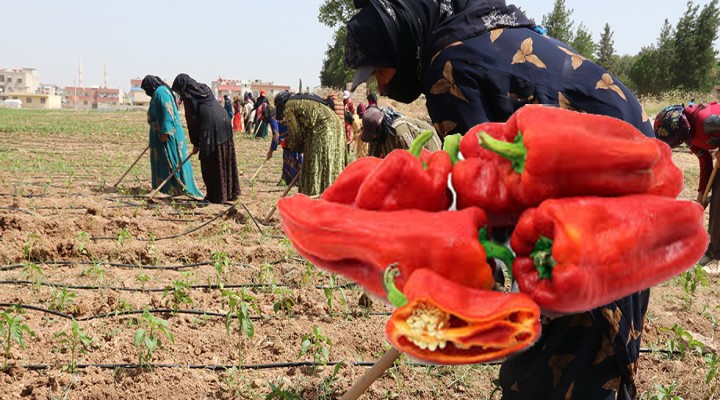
column 592, row 200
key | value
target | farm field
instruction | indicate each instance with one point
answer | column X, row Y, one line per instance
column 128, row 298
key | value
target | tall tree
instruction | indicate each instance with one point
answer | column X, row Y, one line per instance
column 336, row 14
column 583, row 42
column 558, row 22
column 706, row 32
column 664, row 59
column 606, row 56
column 334, row 73
column 644, row 72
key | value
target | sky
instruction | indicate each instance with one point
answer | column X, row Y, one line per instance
column 271, row 40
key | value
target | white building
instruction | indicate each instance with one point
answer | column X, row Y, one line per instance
column 24, row 80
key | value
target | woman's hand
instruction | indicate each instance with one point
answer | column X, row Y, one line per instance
column 195, row 150
column 269, row 154
column 164, row 137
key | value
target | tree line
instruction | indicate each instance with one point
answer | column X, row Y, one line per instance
column 683, row 57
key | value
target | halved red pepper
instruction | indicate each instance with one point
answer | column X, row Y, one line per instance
column 405, row 179
column 578, row 254
column 447, row 322
column 360, row 244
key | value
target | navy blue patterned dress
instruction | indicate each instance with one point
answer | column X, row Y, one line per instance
column 480, row 61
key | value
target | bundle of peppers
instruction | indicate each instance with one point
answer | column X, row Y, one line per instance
column 593, row 200
column 544, row 153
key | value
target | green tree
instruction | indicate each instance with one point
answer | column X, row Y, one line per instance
column 558, row 22
column 336, row 14
column 583, row 42
column 334, row 73
column 606, row 56
column 664, row 58
column 693, row 48
column 645, row 72
column 622, row 67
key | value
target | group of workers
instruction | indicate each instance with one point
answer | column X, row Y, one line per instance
column 474, row 61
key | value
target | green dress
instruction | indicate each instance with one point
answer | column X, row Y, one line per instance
column 164, row 118
column 315, row 130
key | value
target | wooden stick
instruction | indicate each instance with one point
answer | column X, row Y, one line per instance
column 270, row 214
column 154, row 192
column 375, row 372
column 258, row 170
column 131, row 167
column 710, row 183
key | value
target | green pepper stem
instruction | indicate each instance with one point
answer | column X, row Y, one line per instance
column 394, row 295
column 543, row 259
column 419, row 142
column 515, row 152
column 452, row 147
column 497, row 251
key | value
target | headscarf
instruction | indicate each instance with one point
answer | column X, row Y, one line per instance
column 150, row 84
column 190, row 90
column 280, row 100
column 671, row 126
column 361, row 110
column 414, row 30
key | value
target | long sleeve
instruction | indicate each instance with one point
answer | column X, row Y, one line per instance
column 192, row 124
column 706, row 166
column 166, row 111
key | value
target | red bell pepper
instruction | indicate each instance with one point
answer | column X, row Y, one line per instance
column 405, row 179
column 345, row 188
column 578, row 254
column 360, row 244
column 446, row 322
column 558, row 153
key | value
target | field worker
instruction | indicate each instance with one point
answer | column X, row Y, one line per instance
column 698, row 126
column 262, row 99
column 237, row 117
column 168, row 147
column 292, row 160
column 480, row 61
column 348, row 116
column 248, row 113
column 228, row 106
column 386, row 130
column 361, row 148
column 371, row 98
column 314, row 130
column 211, row 133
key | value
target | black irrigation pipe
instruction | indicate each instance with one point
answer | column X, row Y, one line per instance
column 212, row 367
column 115, row 314
column 119, row 265
column 179, row 234
column 158, row 290
column 137, row 266
column 297, row 364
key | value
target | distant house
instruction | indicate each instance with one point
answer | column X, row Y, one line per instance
column 234, row 87
column 23, row 80
column 31, row 100
column 93, row 97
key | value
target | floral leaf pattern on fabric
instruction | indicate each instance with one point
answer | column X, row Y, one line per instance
column 613, row 317
column 568, row 395
column 446, row 84
column 525, row 54
column 445, row 128
column 495, row 34
column 606, row 350
column 607, row 83
column 633, row 334
column 612, row 385
column 577, row 59
column 453, row 44
column 558, row 364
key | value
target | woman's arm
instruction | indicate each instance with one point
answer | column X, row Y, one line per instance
column 706, row 166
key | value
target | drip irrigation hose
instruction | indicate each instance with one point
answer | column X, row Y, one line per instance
column 179, row 234
column 297, row 364
column 115, row 314
column 140, row 266
column 158, row 290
